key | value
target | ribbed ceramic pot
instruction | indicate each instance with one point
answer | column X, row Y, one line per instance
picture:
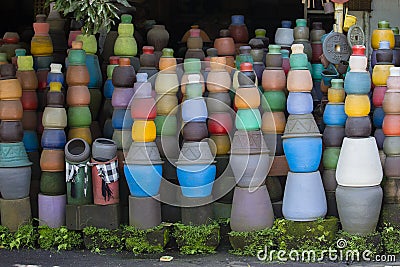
column 358, row 126
column 194, row 110
column 52, row 210
column 334, row 114
column 53, row 139
column 53, row 183
column 273, row 101
column 330, row 157
column 391, row 101
column 218, row 102
column 303, row 154
column 247, row 98
column 195, row 131
column 299, row 81
column 11, row 131
column 359, row 163
column 144, row 212
column 52, row 160
column 260, row 217
column 273, row 80
column 79, row 116
column 357, row 83
column 15, row 182
column 248, row 119
column 78, row 95
column 299, row 103
column 333, row 136
column 273, row 122
column 359, row 208
column 391, row 125
column 304, row 198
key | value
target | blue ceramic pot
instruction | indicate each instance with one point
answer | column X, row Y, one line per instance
column 316, row 71
column 108, row 89
column 357, row 83
column 121, row 119
column 303, row 154
column 196, row 180
column 328, row 74
column 30, row 141
column 237, row 20
column 53, row 139
column 378, row 117
column 194, row 110
column 143, row 180
column 55, row 77
column 299, row 103
column 93, row 65
column 286, row 23
column 334, row 115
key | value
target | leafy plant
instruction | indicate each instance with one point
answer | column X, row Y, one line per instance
column 202, row 239
column 96, row 14
column 58, row 238
column 97, row 239
column 25, row 237
column 249, row 243
column 390, row 239
column 371, row 242
column 141, row 241
column 5, row 237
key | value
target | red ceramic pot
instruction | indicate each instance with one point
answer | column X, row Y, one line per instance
column 220, row 123
column 111, row 195
column 391, row 125
column 143, row 109
column 378, row 95
column 29, row 100
column 42, row 78
column 239, row 33
column 358, row 50
column 316, row 52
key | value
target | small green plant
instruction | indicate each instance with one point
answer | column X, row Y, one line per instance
column 25, row 237
column 249, row 243
column 5, row 237
column 97, row 239
column 371, row 242
column 202, row 239
column 145, row 241
column 58, row 238
column 391, row 239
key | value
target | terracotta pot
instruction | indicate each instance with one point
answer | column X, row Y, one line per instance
column 273, row 80
column 260, row 217
column 27, row 79
column 52, row 160
column 391, row 124
column 77, row 75
column 167, row 64
column 225, row 46
column 11, row 131
column 247, row 98
column 78, row 95
column 299, row 81
column 11, row 110
column 333, row 136
column 357, row 105
column 222, row 144
column 273, row 122
column 80, row 132
column 218, row 81
column 111, row 196
column 6, row 93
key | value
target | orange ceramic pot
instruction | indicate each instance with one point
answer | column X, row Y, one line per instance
column 78, row 95
column 167, row 104
column 52, row 160
column 230, row 63
column 357, row 105
column 27, row 79
column 391, row 125
column 222, row 144
column 299, row 81
column 218, row 63
column 273, row 122
column 167, row 64
column 11, row 110
column 10, row 89
column 77, row 75
column 246, row 98
column 225, row 46
column 81, row 132
column 143, row 131
column 218, row 81
column 273, row 80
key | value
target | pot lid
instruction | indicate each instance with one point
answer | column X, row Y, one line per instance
column 193, row 153
column 143, row 153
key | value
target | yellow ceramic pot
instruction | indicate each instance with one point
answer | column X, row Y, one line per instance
column 222, row 144
column 383, row 33
column 336, row 95
column 41, row 46
column 10, row 89
column 357, row 105
column 167, row 104
column 166, row 83
column 82, row 132
column 143, row 131
column 380, row 74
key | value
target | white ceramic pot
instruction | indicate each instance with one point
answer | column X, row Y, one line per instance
column 359, row 163
column 358, row 63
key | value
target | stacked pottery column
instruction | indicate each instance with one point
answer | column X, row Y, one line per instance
column 15, row 167
column 52, row 199
column 359, row 170
column 249, row 161
column 316, row 44
column 195, row 45
column 304, row 197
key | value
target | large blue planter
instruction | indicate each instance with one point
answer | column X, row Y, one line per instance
column 122, row 119
column 334, row 115
column 357, row 83
column 30, row 141
column 378, row 117
column 108, row 89
column 92, row 63
column 303, row 154
column 299, row 103
column 196, row 180
column 143, row 180
column 53, row 139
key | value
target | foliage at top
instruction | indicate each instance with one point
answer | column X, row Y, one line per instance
column 96, row 14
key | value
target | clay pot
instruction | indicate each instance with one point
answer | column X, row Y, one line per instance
column 358, row 126
column 11, row 110
column 76, row 193
column 247, row 98
column 53, row 183
column 391, row 145
column 299, row 81
column 121, row 97
column 260, row 217
column 391, row 190
column 121, row 119
column 143, row 131
column 250, row 170
column 222, row 144
column 143, row 108
column 380, row 138
column 248, row 119
column 27, row 79
column 225, row 46
column 357, row 105
column 379, row 95
column 15, row 182
column 303, row 154
column 300, row 103
column 99, row 196
column 330, row 158
column 196, row 180
column 6, row 93
column 11, row 131
column 54, row 99
column 144, row 212
column 391, row 102
column 301, row 126
column 316, row 32
column 378, row 117
column 124, row 75
column 273, row 80
column 391, row 124
column 15, row 213
column 166, row 104
column 195, row 131
column 77, row 150
column 158, row 37
column 81, row 132
column 78, row 95
column 238, row 29
column 284, row 36
column 273, row 101
column 380, row 74
column 391, row 167
column 359, row 163
column 29, row 120
column 334, row 114
column 53, row 139
column 357, row 83
column 359, row 208
column 218, row 81
column 273, row 122
column 220, row 123
column 329, row 180
column 301, row 31
column 304, row 197
column 52, row 160
column 57, row 117
column 383, row 32
column 218, row 102
column 194, row 110
column 166, row 125
column 333, row 136
column 123, row 138
column 166, row 83
column 77, row 75
column 52, row 210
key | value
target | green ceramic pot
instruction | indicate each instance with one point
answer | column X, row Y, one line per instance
column 194, row 90
column 192, row 65
column 76, row 57
column 110, row 69
column 79, row 197
column 298, row 61
column 330, row 157
column 53, row 183
column 274, row 101
column 25, row 63
column 274, row 49
column 89, row 43
column 125, row 30
column 301, row 22
column 166, row 125
column 248, row 119
column 125, row 46
column 79, row 116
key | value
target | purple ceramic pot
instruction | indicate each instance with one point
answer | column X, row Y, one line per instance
column 52, row 210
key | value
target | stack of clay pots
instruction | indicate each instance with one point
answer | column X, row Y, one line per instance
column 249, row 160
column 107, row 109
column 359, row 170
column 391, row 146
column 10, row 44
column 243, row 56
column 78, row 95
column 225, row 46
column 304, row 196
column 301, row 35
column 15, row 167
column 284, row 35
column 396, row 49
column 259, row 48
column 382, row 33
column 158, row 37
column 125, row 45
column 191, row 66
column 274, row 100
column 52, row 199
column 238, row 31
column 380, row 74
column 57, row 35
column 143, row 165
column 148, row 63
column 316, row 34
column 334, row 119
column 195, row 45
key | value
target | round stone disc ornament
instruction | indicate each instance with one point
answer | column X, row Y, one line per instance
column 355, row 36
column 336, row 48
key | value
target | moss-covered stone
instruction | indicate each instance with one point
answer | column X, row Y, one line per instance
column 390, row 214
column 151, row 240
column 249, row 243
column 371, row 242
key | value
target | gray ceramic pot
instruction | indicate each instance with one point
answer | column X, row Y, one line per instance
column 359, row 208
column 144, row 212
column 15, row 182
column 250, row 170
column 104, row 149
column 77, row 150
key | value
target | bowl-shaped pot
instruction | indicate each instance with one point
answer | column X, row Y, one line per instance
column 357, row 83
column 143, row 131
column 247, row 98
column 11, row 110
column 359, row 163
column 57, row 117
column 121, row 119
column 357, row 105
column 52, row 160
column 248, row 119
column 196, row 180
column 79, row 116
column 77, row 75
column 143, row 180
column 303, row 154
column 77, row 150
column 104, row 149
column 299, row 81
column 333, row 136
column 299, row 103
column 250, row 170
column 11, row 131
column 334, row 114
column 273, row 80
column 78, row 96
column 143, row 108
column 53, row 139
column 15, row 182
column 194, row 110
column 391, row 125
column 195, row 131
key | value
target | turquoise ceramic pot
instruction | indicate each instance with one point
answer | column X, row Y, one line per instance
column 357, row 83
column 13, row 155
column 192, row 65
column 93, row 65
column 298, row 61
column 248, row 119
